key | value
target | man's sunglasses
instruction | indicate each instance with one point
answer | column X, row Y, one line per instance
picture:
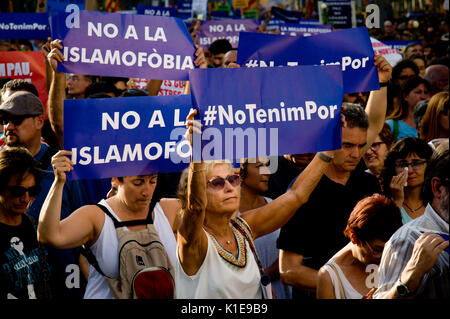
column 16, row 120
column 19, row 191
column 219, row 182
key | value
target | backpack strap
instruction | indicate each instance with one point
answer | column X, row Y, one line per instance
column 395, row 132
column 45, row 160
column 118, row 224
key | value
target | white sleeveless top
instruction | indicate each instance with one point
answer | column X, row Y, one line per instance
column 105, row 250
column 350, row 292
column 216, row 278
column 165, row 233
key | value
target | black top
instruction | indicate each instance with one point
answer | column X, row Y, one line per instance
column 316, row 229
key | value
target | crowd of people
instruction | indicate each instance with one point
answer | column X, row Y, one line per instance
column 369, row 220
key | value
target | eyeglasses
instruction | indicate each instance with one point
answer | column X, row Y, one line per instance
column 376, row 146
column 375, row 252
column 415, row 165
column 16, row 120
column 19, row 191
column 219, row 182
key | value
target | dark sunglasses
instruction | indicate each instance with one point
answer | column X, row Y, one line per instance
column 219, row 182
column 19, row 191
column 17, row 120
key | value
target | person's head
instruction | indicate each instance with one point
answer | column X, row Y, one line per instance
column 419, row 111
column 255, row 174
column 22, row 115
column 17, row 85
column 218, row 49
column 135, row 191
column 25, row 45
column 434, row 123
column 20, row 177
column 229, row 57
column 404, row 70
column 357, row 98
column 414, row 90
column 354, row 138
column 388, row 27
column 410, row 152
column 77, row 85
column 5, row 45
column 222, row 187
column 376, row 154
column 435, row 188
column 437, row 75
column 428, row 53
column 370, row 225
column 413, row 49
column 133, row 92
column 104, row 87
column 419, row 60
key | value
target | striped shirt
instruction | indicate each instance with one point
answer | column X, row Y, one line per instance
column 398, row 250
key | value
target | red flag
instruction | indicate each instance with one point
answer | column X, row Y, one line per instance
column 111, row 5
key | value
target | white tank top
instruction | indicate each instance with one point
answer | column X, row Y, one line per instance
column 350, row 292
column 165, row 233
column 217, row 279
column 105, row 250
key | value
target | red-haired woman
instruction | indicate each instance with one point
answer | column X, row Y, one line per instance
column 351, row 272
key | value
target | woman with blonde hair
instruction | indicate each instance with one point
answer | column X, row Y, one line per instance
column 216, row 255
column 434, row 124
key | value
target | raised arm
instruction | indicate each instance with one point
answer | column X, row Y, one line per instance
column 57, row 92
column 266, row 219
column 80, row 227
column 377, row 102
column 192, row 241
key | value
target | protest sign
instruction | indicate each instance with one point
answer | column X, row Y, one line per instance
column 171, row 87
column 400, row 45
column 248, row 113
column 340, row 13
column 393, row 56
column 126, row 136
column 28, row 66
column 224, row 29
column 305, row 30
column 55, row 6
column 30, row 26
column 156, row 11
column 200, row 9
column 349, row 48
column 285, row 15
column 112, row 44
column 184, row 9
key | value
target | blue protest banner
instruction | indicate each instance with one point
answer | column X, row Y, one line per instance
column 248, row 113
column 55, row 6
column 32, row 26
column 126, row 136
column 224, row 29
column 297, row 29
column 184, row 9
column 349, row 48
column 114, row 44
column 285, row 15
column 156, row 11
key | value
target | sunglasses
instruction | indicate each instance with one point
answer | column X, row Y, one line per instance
column 17, row 120
column 415, row 165
column 219, row 182
column 19, row 191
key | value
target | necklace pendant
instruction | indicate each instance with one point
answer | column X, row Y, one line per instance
column 228, row 242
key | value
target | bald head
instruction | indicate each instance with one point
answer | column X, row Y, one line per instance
column 437, row 75
column 229, row 57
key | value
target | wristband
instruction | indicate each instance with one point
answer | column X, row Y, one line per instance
column 383, row 84
column 324, row 157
